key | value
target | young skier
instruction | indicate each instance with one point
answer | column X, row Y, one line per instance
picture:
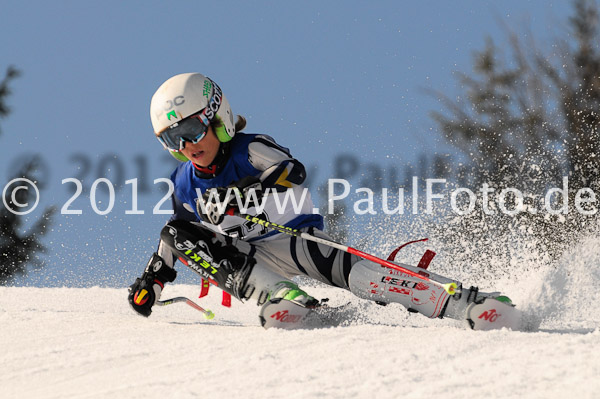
column 211, row 234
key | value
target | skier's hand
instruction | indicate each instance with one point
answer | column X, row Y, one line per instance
column 250, row 187
column 221, row 201
column 145, row 291
column 143, row 294
column 217, row 204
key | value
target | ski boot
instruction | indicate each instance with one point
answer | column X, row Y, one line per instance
column 286, row 306
column 291, row 292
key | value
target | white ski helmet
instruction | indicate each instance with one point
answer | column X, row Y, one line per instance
column 187, row 94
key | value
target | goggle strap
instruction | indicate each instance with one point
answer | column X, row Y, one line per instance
column 204, row 119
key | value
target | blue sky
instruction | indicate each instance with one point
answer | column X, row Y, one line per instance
column 322, row 77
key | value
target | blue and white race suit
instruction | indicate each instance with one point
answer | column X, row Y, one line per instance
column 261, row 157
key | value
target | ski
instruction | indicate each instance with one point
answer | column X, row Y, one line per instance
column 281, row 313
column 492, row 314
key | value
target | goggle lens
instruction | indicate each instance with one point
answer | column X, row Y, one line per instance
column 191, row 130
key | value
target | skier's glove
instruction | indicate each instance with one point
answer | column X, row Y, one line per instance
column 146, row 290
column 221, row 201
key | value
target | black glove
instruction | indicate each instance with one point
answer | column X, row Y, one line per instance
column 217, row 203
column 146, row 289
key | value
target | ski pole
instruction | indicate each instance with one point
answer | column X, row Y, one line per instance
column 450, row 288
column 207, row 313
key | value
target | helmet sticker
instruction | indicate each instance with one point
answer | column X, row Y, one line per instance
column 171, row 114
column 214, row 103
column 207, row 87
column 179, row 100
column 170, row 104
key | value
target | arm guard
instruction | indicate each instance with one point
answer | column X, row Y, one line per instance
column 280, row 170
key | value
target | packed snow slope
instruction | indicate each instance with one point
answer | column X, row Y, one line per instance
column 88, row 343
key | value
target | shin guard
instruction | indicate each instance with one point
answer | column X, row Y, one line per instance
column 378, row 283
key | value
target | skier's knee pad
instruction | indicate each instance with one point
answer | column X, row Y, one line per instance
column 372, row 281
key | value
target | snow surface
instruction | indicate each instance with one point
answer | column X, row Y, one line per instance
column 88, row 343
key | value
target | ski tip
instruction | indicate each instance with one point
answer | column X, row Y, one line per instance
column 450, row 288
column 209, row 315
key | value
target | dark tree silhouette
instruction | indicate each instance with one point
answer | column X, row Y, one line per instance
column 11, row 73
column 18, row 249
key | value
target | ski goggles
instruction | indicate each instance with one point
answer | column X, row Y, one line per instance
column 191, row 129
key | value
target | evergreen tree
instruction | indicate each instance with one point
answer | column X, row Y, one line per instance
column 525, row 118
column 18, row 249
